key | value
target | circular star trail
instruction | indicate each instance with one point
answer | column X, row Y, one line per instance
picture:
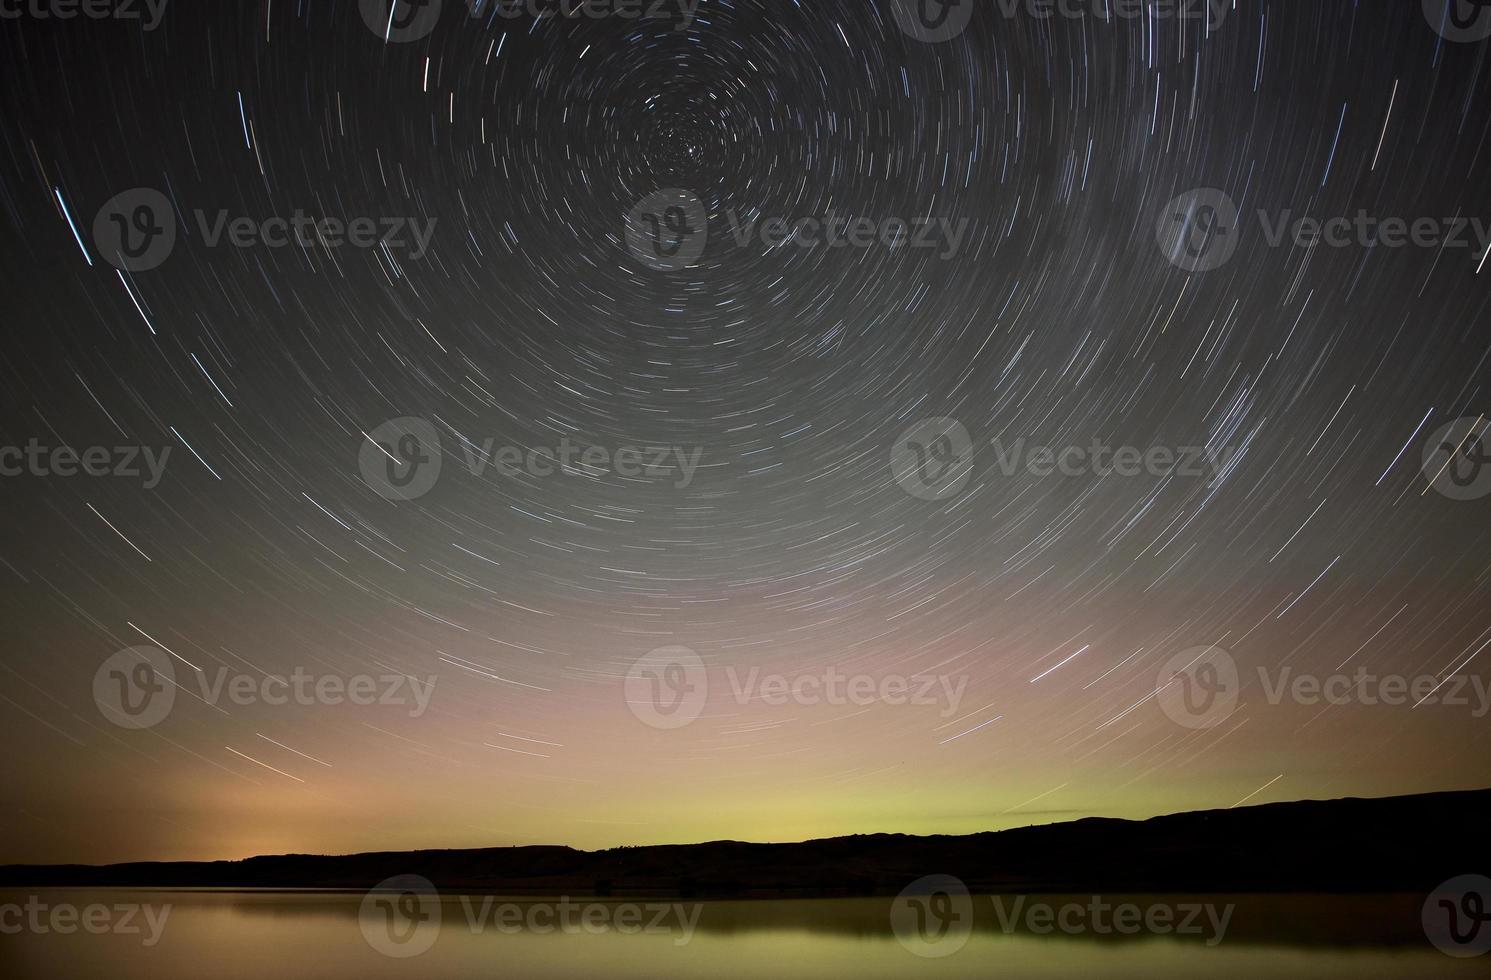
column 872, row 234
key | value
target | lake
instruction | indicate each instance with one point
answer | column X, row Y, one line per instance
column 192, row 933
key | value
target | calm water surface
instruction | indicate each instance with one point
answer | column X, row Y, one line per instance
column 321, row 934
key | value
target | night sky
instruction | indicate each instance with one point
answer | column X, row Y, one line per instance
column 784, row 531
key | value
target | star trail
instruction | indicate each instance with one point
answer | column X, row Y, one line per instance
column 445, row 425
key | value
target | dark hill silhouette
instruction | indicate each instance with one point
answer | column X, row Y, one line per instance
column 1403, row 843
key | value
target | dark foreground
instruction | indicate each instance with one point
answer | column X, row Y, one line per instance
column 1406, row 844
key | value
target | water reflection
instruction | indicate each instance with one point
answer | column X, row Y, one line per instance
column 321, row 934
